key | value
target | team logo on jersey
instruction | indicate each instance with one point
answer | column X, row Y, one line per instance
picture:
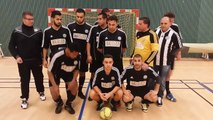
column 166, row 37
column 75, row 62
column 64, row 35
column 74, row 29
column 119, row 37
column 145, row 77
column 112, row 78
column 106, row 38
column 51, row 36
column 86, row 31
column 35, row 30
column 102, row 79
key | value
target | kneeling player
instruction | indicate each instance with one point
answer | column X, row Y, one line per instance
column 137, row 77
column 64, row 64
column 106, row 85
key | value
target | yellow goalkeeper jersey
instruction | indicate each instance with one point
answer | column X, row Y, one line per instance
column 146, row 44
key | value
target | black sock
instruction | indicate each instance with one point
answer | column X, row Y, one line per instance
column 71, row 98
column 58, row 100
column 167, row 87
column 69, row 94
column 91, row 81
column 81, row 83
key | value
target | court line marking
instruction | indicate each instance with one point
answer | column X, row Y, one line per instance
column 84, row 103
column 206, row 87
column 197, row 93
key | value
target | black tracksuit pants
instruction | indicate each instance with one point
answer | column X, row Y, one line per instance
column 24, row 72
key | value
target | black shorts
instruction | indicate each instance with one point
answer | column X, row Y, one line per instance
column 83, row 63
column 95, row 65
column 140, row 92
column 118, row 64
column 57, row 78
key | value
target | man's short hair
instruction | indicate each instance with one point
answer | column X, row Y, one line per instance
column 54, row 13
column 113, row 18
column 80, row 10
column 104, row 15
column 26, row 13
column 108, row 56
column 74, row 47
column 146, row 20
column 137, row 56
column 104, row 10
column 169, row 14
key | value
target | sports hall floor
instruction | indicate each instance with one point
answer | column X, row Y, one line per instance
column 192, row 85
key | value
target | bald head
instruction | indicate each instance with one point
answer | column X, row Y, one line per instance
column 165, row 24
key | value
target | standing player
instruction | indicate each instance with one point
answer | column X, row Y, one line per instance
column 64, row 64
column 137, row 84
column 56, row 37
column 113, row 41
column 94, row 57
column 80, row 30
column 169, row 45
column 146, row 43
column 178, row 56
column 25, row 47
column 107, row 84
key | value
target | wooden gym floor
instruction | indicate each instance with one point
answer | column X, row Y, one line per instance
column 192, row 85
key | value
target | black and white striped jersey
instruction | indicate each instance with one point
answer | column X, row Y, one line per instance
column 113, row 43
column 107, row 82
column 63, row 65
column 177, row 30
column 79, row 34
column 56, row 39
column 169, row 43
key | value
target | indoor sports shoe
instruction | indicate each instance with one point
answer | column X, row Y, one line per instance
column 129, row 106
column 171, row 97
column 69, row 108
column 42, row 96
column 144, row 107
column 159, row 102
column 24, row 103
column 58, row 108
column 100, row 105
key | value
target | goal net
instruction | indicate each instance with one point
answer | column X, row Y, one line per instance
column 127, row 20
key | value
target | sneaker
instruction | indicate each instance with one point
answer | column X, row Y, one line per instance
column 100, row 106
column 42, row 96
column 129, row 106
column 58, row 108
column 159, row 102
column 144, row 107
column 171, row 97
column 24, row 103
column 81, row 95
column 113, row 105
column 69, row 108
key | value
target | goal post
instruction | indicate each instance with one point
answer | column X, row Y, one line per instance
column 128, row 20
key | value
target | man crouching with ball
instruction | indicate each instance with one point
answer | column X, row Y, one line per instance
column 137, row 77
column 107, row 85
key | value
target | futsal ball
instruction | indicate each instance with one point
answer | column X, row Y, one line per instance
column 105, row 113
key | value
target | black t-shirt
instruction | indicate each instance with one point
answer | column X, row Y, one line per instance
column 113, row 43
column 93, row 40
column 62, row 65
column 56, row 40
column 104, row 82
column 79, row 34
column 138, row 79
